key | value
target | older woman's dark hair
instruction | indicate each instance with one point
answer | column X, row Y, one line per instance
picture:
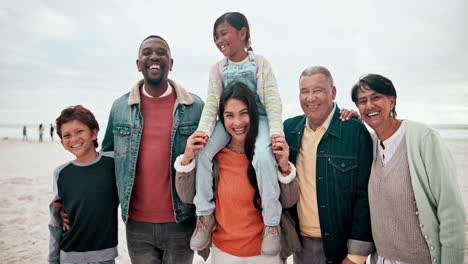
column 241, row 92
column 80, row 113
column 375, row 82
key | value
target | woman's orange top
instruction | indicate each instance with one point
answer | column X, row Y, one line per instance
column 240, row 224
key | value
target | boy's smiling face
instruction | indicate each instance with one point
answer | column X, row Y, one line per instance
column 78, row 139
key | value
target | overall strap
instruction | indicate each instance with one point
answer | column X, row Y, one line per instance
column 225, row 62
column 251, row 55
column 257, row 59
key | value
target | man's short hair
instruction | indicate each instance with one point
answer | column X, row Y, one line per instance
column 150, row 37
column 315, row 70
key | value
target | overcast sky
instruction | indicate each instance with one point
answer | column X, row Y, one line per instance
column 58, row 53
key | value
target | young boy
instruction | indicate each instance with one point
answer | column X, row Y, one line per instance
column 86, row 189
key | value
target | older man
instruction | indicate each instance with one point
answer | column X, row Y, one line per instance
column 333, row 160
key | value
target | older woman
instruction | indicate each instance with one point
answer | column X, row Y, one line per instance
column 238, row 235
column 416, row 208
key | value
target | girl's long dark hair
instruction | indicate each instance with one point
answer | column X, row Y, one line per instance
column 241, row 92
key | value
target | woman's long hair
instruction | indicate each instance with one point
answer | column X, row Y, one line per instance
column 241, row 92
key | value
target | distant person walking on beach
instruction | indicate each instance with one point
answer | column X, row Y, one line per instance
column 416, row 208
column 158, row 223
column 25, row 134
column 41, row 133
column 86, row 188
column 51, row 132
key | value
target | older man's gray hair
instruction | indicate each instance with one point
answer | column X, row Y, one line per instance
column 315, row 70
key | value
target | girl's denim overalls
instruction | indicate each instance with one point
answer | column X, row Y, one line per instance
column 263, row 161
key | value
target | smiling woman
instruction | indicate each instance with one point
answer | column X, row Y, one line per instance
column 238, row 229
column 414, row 178
column 239, row 115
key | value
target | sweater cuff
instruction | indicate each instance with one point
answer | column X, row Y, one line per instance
column 181, row 168
column 288, row 178
column 358, row 247
column 451, row 255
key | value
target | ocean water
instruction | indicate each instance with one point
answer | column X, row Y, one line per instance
column 15, row 131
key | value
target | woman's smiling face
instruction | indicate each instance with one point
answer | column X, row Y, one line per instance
column 374, row 107
column 236, row 120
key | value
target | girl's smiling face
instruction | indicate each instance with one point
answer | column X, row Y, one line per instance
column 230, row 41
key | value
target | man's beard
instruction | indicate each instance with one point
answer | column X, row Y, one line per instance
column 155, row 82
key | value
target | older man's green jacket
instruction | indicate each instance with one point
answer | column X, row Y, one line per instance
column 344, row 158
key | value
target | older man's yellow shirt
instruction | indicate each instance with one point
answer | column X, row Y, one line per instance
column 307, row 208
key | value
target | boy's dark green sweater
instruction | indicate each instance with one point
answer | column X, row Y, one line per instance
column 88, row 193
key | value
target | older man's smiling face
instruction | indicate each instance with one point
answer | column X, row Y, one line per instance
column 316, row 96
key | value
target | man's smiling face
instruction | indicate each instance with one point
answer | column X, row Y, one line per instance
column 154, row 61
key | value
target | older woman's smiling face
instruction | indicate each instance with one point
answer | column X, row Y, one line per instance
column 375, row 107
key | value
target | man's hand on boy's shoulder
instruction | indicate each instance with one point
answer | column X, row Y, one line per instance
column 63, row 215
column 65, row 219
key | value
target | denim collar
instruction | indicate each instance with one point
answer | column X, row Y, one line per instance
column 334, row 128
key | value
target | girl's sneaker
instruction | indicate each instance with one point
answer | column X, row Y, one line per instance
column 271, row 240
column 201, row 237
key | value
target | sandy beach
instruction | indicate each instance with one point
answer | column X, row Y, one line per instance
column 26, row 189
